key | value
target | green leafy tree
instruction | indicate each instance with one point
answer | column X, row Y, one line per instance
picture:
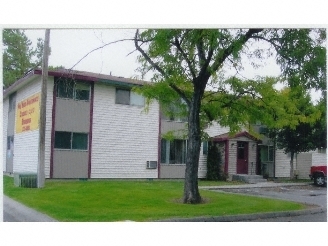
column 188, row 65
column 18, row 55
column 303, row 136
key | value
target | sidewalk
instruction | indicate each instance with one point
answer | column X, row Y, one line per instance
column 16, row 212
column 246, row 186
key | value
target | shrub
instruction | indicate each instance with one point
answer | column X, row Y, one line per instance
column 214, row 164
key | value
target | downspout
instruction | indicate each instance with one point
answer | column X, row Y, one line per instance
column 274, row 157
column 226, row 161
column 159, row 145
column 90, row 128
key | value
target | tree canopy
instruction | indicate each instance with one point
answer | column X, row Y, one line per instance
column 18, row 55
column 189, row 64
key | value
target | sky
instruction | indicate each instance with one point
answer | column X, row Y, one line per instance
column 68, row 46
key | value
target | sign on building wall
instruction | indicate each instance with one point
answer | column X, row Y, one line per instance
column 27, row 114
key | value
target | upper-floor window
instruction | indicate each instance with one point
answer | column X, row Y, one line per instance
column 176, row 111
column 128, row 97
column 67, row 88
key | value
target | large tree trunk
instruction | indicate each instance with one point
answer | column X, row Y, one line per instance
column 191, row 192
column 291, row 165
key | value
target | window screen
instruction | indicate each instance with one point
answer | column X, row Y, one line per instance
column 82, row 91
column 63, row 140
column 64, row 88
column 80, row 141
column 122, row 96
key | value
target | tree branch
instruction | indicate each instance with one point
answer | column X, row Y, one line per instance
column 238, row 43
column 177, row 44
column 161, row 71
column 100, row 47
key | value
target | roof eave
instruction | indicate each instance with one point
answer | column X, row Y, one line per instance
column 19, row 83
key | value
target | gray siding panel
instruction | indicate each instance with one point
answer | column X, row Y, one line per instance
column 72, row 115
column 172, row 171
column 179, row 128
column 70, row 164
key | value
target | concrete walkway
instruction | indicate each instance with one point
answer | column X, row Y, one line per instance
column 16, row 212
column 246, row 186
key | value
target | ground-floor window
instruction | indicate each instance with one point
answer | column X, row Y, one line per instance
column 71, row 140
column 173, row 152
column 267, row 153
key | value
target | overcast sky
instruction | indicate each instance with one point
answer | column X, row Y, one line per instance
column 68, row 46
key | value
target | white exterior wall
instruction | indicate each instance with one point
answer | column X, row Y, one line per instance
column 124, row 138
column 50, row 88
column 282, row 164
column 26, row 143
column 319, row 159
column 4, row 131
column 306, row 160
column 215, row 129
column 303, row 165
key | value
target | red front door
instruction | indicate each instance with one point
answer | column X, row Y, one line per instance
column 242, row 158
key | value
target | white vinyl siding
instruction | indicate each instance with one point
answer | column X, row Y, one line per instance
column 4, row 131
column 124, row 138
column 50, row 88
column 26, row 143
column 282, row 168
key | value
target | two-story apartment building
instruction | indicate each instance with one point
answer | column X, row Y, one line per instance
column 97, row 127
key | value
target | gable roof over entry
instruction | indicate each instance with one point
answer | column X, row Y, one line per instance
column 227, row 136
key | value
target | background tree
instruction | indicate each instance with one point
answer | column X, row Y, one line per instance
column 18, row 55
column 304, row 136
column 187, row 62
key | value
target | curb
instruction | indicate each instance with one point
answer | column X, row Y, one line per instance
column 247, row 217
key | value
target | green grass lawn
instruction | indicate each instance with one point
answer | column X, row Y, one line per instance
column 112, row 200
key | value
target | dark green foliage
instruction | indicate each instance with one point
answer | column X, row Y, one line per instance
column 18, row 55
column 214, row 163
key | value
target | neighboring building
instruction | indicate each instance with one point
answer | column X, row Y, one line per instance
column 97, row 127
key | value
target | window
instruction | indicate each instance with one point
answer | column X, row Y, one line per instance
column 122, row 96
column 176, row 111
column 205, row 148
column 82, row 91
column 72, row 89
column 241, row 151
column 173, row 152
column 267, row 153
column 128, row 97
column 12, row 102
column 270, row 153
column 71, row 140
